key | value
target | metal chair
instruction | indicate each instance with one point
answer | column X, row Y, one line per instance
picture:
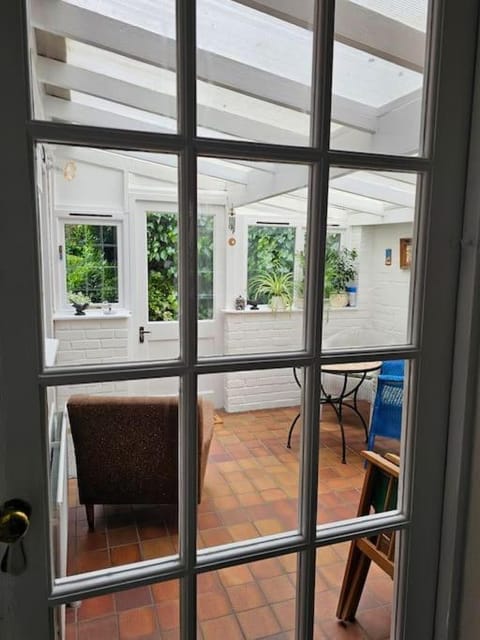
column 386, row 417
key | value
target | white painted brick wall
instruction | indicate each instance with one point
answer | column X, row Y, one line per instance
column 91, row 341
column 259, row 332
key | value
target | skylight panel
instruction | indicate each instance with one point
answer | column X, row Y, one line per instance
column 370, row 80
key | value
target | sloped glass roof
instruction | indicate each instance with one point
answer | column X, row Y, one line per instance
column 254, row 84
column 261, row 41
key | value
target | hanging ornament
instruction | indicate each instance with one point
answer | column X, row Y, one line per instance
column 232, row 223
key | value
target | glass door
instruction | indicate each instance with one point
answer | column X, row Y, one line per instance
column 210, row 525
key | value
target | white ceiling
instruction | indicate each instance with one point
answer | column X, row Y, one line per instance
column 254, row 85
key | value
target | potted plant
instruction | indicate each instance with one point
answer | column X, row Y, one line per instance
column 340, row 271
column 80, row 302
column 276, row 286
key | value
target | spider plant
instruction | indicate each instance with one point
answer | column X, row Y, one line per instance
column 276, row 286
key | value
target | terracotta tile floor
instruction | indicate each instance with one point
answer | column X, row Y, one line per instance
column 251, row 489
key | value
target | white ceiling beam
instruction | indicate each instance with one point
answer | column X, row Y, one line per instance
column 350, row 202
column 399, row 216
column 67, row 111
column 284, row 180
column 379, row 35
column 398, row 133
column 357, row 27
column 221, row 171
column 387, row 192
column 166, row 172
column 101, row 158
column 107, row 33
column 259, row 187
column 272, row 210
column 67, row 76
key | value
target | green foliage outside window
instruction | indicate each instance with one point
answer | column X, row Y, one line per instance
column 162, row 250
column 91, row 261
column 270, row 250
column 340, row 266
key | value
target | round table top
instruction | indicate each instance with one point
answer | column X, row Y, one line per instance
column 352, row 367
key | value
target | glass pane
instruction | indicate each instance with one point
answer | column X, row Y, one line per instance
column 254, row 600
column 252, row 257
column 254, row 70
column 123, row 79
column 373, row 613
column 110, row 504
column 378, row 76
column 362, row 428
column 369, row 262
column 144, row 612
column 162, row 266
column 109, row 240
column 91, row 263
column 249, row 479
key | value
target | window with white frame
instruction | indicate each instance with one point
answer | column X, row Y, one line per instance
column 90, row 253
column 270, row 254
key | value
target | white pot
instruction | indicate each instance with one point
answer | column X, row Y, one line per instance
column 338, row 300
column 277, row 304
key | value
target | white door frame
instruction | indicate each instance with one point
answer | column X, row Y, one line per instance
column 22, row 403
column 208, row 330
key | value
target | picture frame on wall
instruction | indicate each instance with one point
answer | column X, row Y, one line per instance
column 405, row 253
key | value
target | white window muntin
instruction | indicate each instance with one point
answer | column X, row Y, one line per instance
column 187, row 53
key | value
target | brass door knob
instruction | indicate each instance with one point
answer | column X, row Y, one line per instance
column 14, row 520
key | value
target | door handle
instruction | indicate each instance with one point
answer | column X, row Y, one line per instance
column 141, row 334
column 14, row 523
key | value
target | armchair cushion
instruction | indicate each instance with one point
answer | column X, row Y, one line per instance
column 126, row 448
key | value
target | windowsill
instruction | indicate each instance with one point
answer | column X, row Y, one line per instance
column 92, row 314
column 266, row 309
column 260, row 310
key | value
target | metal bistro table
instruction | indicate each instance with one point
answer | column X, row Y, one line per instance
column 356, row 371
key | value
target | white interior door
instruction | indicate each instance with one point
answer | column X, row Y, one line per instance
column 154, row 260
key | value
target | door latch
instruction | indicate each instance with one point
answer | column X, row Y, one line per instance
column 141, row 334
column 14, row 523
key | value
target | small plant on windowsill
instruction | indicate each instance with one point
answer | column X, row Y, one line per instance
column 79, row 302
column 276, row 286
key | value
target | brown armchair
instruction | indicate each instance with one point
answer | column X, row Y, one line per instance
column 126, row 449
